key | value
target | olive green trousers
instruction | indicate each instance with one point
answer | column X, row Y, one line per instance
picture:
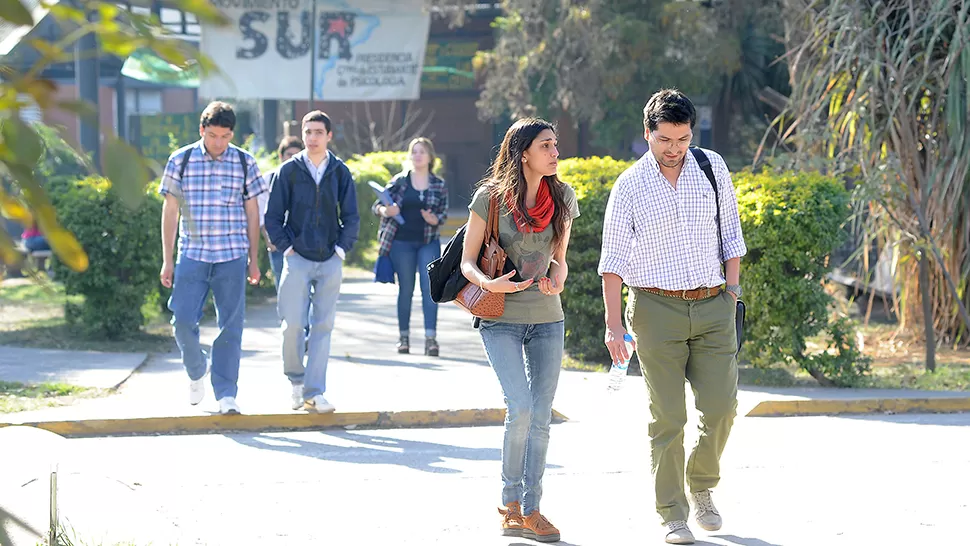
column 680, row 340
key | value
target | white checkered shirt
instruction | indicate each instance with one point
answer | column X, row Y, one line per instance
column 213, row 191
column 657, row 237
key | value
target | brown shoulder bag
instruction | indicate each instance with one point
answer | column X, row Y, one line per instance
column 478, row 302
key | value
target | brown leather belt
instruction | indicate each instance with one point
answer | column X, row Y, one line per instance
column 689, row 295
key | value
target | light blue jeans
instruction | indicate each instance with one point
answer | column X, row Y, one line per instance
column 302, row 282
column 227, row 280
column 526, row 358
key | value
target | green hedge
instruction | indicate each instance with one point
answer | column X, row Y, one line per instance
column 123, row 251
column 582, row 299
column 792, row 223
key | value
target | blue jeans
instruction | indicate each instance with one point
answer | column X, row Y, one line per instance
column 276, row 264
column 410, row 258
column 526, row 358
column 227, row 280
column 35, row 243
column 305, row 281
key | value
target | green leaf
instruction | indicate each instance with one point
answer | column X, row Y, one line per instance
column 79, row 107
column 126, row 169
column 15, row 12
column 65, row 12
column 67, row 249
column 205, row 11
column 15, row 210
column 23, row 144
column 10, row 256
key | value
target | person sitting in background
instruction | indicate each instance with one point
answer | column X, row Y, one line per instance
column 33, row 240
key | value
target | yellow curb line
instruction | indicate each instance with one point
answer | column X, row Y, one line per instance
column 202, row 424
column 774, row 408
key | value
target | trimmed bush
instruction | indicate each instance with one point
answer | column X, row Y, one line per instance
column 123, row 249
column 582, row 299
column 792, row 223
column 365, row 170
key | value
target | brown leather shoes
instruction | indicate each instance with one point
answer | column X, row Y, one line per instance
column 511, row 519
column 538, row 528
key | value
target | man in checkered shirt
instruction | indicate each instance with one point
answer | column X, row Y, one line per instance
column 660, row 238
column 214, row 186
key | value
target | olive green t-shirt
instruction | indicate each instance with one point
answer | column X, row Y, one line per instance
column 531, row 253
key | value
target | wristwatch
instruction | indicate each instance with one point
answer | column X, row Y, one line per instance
column 734, row 289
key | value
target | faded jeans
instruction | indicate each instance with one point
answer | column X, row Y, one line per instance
column 227, row 280
column 527, row 359
column 304, row 281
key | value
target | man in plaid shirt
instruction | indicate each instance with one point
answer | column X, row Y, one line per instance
column 660, row 238
column 214, row 186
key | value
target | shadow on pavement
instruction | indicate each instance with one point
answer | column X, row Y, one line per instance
column 957, row 419
column 418, row 455
column 741, row 541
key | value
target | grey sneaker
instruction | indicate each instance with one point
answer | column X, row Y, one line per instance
column 297, row 396
column 705, row 512
column 678, row 533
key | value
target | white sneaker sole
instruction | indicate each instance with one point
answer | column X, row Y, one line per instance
column 708, row 527
column 312, row 408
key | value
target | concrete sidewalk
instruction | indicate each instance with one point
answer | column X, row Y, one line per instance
column 371, row 385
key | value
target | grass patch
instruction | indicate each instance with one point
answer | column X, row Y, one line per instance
column 20, row 397
column 947, row 377
column 55, row 333
column 570, row 363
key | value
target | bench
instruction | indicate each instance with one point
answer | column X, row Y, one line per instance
column 37, row 258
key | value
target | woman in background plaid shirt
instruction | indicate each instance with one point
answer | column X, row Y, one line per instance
column 421, row 198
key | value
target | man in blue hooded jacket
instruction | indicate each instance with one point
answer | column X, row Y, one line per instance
column 312, row 214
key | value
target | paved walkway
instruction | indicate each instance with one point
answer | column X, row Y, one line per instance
column 367, row 375
column 79, row 368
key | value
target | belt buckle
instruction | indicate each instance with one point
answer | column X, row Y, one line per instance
column 683, row 295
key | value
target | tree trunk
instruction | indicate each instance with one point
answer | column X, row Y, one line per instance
column 925, row 295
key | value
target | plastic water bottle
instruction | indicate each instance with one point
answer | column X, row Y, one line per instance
column 619, row 368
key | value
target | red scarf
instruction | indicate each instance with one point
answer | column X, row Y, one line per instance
column 541, row 213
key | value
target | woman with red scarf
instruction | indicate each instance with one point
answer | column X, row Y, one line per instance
column 525, row 345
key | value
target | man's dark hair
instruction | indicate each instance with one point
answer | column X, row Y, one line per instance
column 289, row 142
column 317, row 115
column 219, row 114
column 668, row 106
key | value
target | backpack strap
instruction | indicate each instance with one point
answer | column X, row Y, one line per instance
column 242, row 161
column 185, row 162
column 245, row 168
column 705, row 164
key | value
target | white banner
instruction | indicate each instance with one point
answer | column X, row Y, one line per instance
column 367, row 50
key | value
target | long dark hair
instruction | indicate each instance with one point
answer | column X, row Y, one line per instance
column 505, row 177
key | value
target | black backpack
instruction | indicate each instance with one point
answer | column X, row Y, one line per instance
column 445, row 274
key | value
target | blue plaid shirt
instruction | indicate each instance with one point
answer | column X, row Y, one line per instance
column 212, row 194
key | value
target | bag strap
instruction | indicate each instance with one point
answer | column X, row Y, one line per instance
column 245, row 168
column 242, row 161
column 185, row 162
column 705, row 164
column 491, row 229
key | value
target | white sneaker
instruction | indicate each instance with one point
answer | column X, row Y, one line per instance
column 318, row 404
column 228, row 406
column 197, row 387
column 705, row 513
column 678, row 533
column 297, row 396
